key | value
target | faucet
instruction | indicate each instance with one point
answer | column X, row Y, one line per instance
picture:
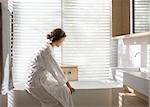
column 138, row 53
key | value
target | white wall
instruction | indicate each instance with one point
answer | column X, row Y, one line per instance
column 5, row 21
column 134, row 52
column 6, row 42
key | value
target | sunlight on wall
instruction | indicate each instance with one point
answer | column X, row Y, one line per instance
column 124, row 98
column 119, row 75
column 11, row 102
column 148, row 57
column 135, row 55
column 122, row 52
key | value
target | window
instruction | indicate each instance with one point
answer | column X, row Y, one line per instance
column 87, row 24
column 32, row 21
column 141, row 15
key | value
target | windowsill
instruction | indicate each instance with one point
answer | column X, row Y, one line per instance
column 134, row 35
column 86, row 85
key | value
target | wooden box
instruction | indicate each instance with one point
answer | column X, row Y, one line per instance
column 71, row 72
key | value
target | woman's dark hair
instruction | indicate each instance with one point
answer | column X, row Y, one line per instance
column 56, row 34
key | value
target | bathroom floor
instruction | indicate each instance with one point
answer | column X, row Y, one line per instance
column 123, row 98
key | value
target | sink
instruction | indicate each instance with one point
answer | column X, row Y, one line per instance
column 137, row 80
column 144, row 75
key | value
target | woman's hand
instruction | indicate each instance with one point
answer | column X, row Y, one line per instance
column 69, row 86
column 72, row 90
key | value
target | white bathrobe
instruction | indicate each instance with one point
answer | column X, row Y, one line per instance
column 46, row 80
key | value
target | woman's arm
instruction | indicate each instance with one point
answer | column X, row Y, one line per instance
column 69, row 86
column 52, row 66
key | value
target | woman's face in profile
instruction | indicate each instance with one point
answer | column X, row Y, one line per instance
column 60, row 42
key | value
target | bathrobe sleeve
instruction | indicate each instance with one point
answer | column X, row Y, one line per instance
column 52, row 66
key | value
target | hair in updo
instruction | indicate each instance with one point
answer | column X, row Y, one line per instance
column 56, row 34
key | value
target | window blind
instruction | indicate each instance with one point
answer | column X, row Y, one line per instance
column 87, row 23
column 32, row 21
column 142, row 15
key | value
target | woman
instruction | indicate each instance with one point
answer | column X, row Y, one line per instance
column 46, row 80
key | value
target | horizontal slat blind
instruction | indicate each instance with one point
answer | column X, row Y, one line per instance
column 114, row 53
column 10, row 5
column 142, row 15
column 32, row 21
column 87, row 23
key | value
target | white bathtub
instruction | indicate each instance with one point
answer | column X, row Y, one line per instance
column 88, row 94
